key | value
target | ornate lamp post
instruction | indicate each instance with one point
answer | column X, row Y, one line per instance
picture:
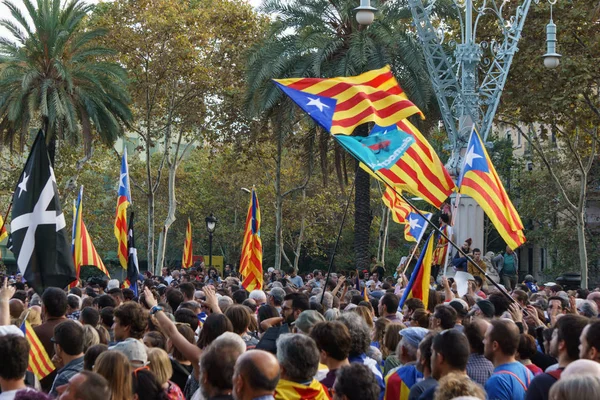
column 211, row 225
column 465, row 100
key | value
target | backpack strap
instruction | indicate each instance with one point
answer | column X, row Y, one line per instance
column 556, row 373
column 503, row 372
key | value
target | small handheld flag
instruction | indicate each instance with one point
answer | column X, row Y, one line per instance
column 123, row 201
column 84, row 251
column 415, row 226
column 479, row 180
column 418, row 285
column 188, row 252
column 40, row 364
column 251, row 261
column 38, row 237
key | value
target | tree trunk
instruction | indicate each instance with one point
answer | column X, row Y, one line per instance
column 583, row 261
column 150, row 248
column 278, row 200
column 162, row 238
column 362, row 211
column 301, row 234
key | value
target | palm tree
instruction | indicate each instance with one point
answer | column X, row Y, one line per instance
column 56, row 75
column 320, row 38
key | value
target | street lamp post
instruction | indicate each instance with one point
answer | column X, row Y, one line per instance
column 464, row 99
column 211, row 225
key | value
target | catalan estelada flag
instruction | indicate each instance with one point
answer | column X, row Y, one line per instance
column 418, row 285
column 123, row 201
column 251, row 261
column 398, row 207
column 39, row 361
column 84, row 251
column 188, row 251
column 479, row 180
column 341, row 104
column 399, row 382
column 3, row 231
column 415, row 226
column 400, row 156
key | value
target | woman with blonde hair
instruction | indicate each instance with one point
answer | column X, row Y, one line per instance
column 114, row 366
column 160, row 364
column 90, row 337
column 377, row 336
column 364, row 312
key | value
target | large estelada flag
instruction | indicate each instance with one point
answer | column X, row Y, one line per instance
column 133, row 267
column 84, row 251
column 479, row 180
column 341, row 104
column 251, row 261
column 39, row 237
column 188, row 252
column 39, row 362
column 418, row 284
column 395, row 151
column 123, row 201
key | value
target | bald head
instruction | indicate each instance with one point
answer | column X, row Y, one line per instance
column 594, row 296
column 581, row 368
column 256, row 374
column 481, row 325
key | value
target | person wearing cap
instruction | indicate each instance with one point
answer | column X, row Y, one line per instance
column 129, row 324
column 306, row 320
column 68, row 352
column 483, row 309
column 461, row 307
column 401, row 379
column 424, row 367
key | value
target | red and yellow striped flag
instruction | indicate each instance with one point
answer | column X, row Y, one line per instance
column 3, row 231
column 418, row 285
column 341, row 104
column 399, row 208
column 123, row 201
column 188, row 251
column 479, row 180
column 39, row 361
column 251, row 261
column 84, row 251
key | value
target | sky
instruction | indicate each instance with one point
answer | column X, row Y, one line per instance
column 4, row 13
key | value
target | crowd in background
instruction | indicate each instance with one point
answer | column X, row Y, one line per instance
column 197, row 334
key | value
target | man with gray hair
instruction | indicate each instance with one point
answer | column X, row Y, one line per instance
column 217, row 365
column 298, row 358
column 275, row 299
column 259, row 296
column 224, row 303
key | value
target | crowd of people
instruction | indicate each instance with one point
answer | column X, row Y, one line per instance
column 197, row 334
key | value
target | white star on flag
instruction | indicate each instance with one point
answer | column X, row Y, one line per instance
column 414, row 223
column 471, row 155
column 23, row 184
column 122, row 180
column 317, row 103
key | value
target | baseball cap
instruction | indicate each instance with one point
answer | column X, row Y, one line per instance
column 112, row 284
column 487, row 308
column 414, row 335
column 460, row 306
column 307, row 319
column 134, row 350
column 278, row 294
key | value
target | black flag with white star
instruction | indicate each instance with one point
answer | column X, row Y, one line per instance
column 38, row 230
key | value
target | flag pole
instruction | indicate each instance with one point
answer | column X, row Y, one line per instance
column 337, row 241
column 412, row 255
column 6, row 214
column 439, row 231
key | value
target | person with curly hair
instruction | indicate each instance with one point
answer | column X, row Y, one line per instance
column 456, row 385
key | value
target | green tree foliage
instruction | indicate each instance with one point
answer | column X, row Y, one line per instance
column 56, row 77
